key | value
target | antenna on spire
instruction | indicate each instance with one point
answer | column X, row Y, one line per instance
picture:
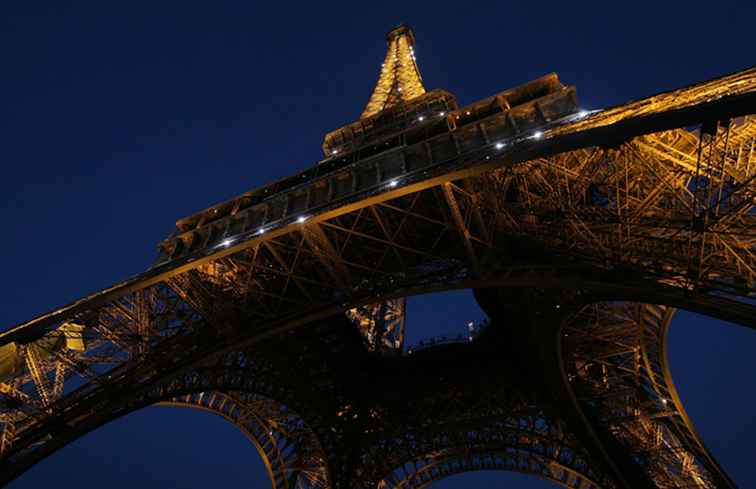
column 400, row 78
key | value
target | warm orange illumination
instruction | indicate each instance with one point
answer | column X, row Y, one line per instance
column 400, row 78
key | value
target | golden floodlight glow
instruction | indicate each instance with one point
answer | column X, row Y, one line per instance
column 400, row 78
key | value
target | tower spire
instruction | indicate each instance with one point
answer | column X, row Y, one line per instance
column 400, row 78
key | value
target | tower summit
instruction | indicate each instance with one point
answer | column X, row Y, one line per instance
column 400, row 79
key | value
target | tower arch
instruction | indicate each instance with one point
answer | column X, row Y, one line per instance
column 290, row 451
column 528, row 442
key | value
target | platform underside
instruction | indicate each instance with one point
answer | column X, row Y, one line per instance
column 579, row 235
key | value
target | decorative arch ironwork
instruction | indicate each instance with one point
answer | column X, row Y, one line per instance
column 290, row 451
column 526, row 442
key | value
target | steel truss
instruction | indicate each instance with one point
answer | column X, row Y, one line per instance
column 525, row 441
column 290, row 450
column 615, row 360
column 629, row 204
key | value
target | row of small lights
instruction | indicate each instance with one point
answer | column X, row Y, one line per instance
column 394, row 183
column 300, row 220
column 539, row 134
column 580, row 115
column 422, row 117
column 229, row 241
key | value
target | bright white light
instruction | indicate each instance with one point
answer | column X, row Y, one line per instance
column 467, row 113
column 421, row 118
column 335, row 151
column 301, row 219
column 261, row 231
column 537, row 135
column 442, row 114
column 226, row 242
column 499, row 145
column 582, row 113
column 393, row 183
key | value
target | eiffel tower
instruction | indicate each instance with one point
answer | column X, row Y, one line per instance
column 282, row 310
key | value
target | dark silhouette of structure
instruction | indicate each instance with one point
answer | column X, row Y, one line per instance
column 282, row 310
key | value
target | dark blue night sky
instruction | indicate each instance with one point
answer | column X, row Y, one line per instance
column 118, row 118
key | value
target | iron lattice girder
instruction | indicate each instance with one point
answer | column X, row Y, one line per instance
column 218, row 283
column 516, row 444
column 358, row 406
column 675, row 109
column 334, row 399
column 630, row 394
column 290, row 451
column 673, row 208
column 399, row 79
column 455, row 150
column 426, row 234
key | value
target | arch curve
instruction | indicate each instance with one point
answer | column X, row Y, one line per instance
column 424, row 471
column 290, row 451
column 525, row 440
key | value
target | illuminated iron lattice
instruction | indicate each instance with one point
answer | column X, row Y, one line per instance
column 283, row 309
column 400, row 78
